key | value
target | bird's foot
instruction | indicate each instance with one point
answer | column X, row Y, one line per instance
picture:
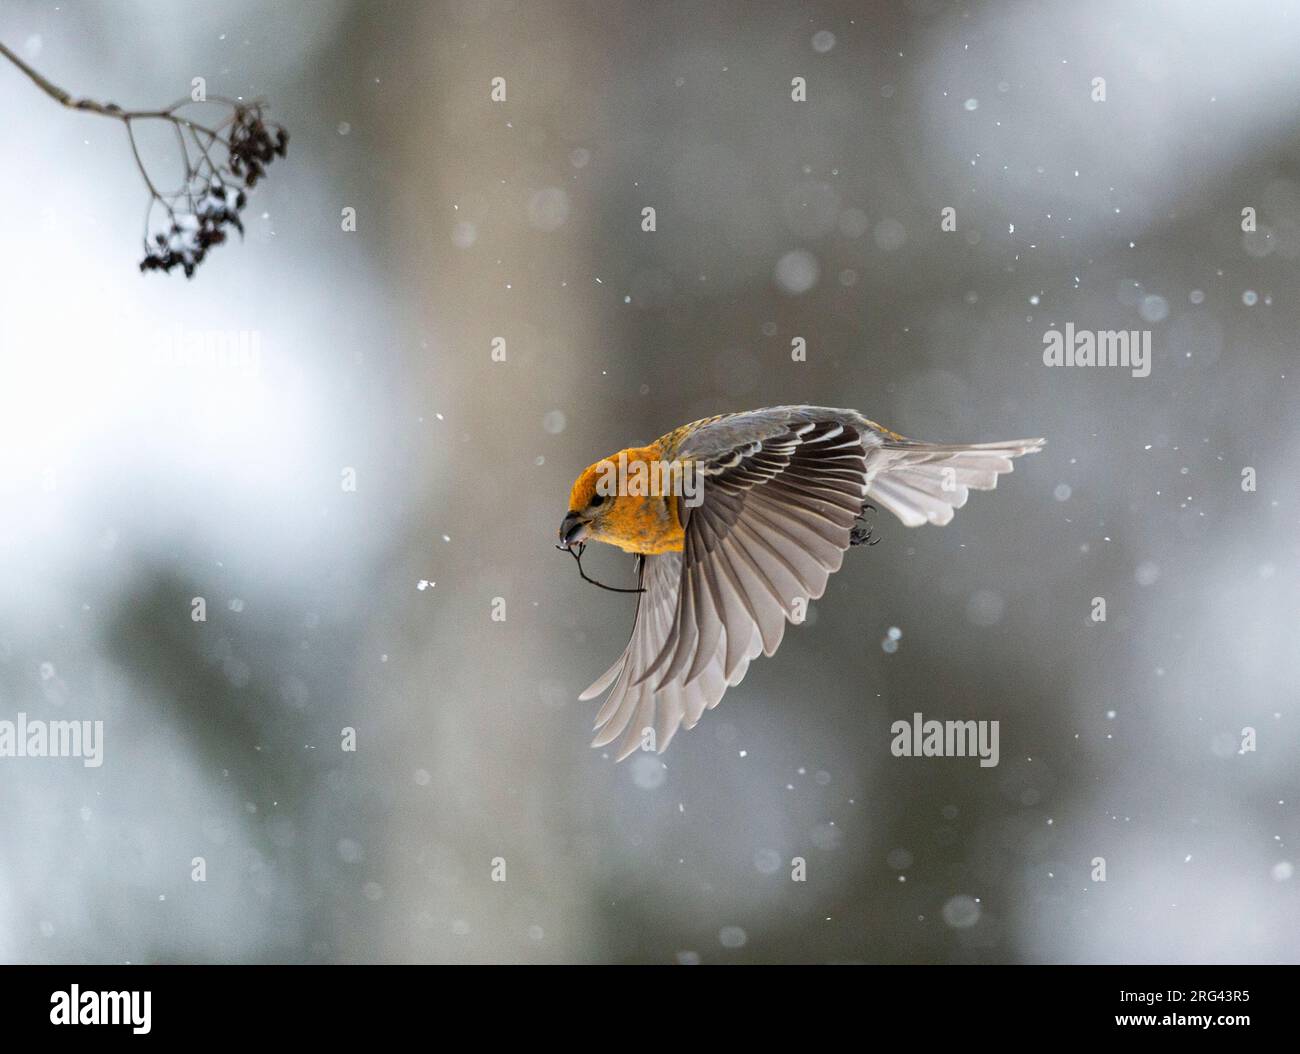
column 861, row 531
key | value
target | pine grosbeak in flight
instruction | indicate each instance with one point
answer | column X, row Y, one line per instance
column 737, row 522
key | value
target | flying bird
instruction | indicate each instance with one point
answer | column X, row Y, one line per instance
column 737, row 522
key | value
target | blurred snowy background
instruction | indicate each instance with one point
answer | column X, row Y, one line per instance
column 130, row 483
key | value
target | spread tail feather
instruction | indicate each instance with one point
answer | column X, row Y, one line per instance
column 925, row 482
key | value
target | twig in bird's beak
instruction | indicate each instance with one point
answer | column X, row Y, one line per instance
column 575, row 550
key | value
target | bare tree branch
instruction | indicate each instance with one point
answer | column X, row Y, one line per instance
column 214, row 190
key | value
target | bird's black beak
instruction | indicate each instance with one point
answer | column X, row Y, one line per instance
column 572, row 530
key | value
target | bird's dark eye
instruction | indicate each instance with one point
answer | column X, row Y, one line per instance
column 597, row 499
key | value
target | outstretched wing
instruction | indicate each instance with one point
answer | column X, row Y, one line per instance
column 782, row 489
column 630, row 698
column 774, row 523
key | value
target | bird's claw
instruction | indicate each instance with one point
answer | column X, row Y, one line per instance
column 861, row 533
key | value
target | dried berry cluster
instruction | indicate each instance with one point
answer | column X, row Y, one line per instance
column 191, row 235
column 253, row 145
column 200, row 214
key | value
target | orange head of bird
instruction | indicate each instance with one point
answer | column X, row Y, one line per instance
column 589, row 505
column 626, row 500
